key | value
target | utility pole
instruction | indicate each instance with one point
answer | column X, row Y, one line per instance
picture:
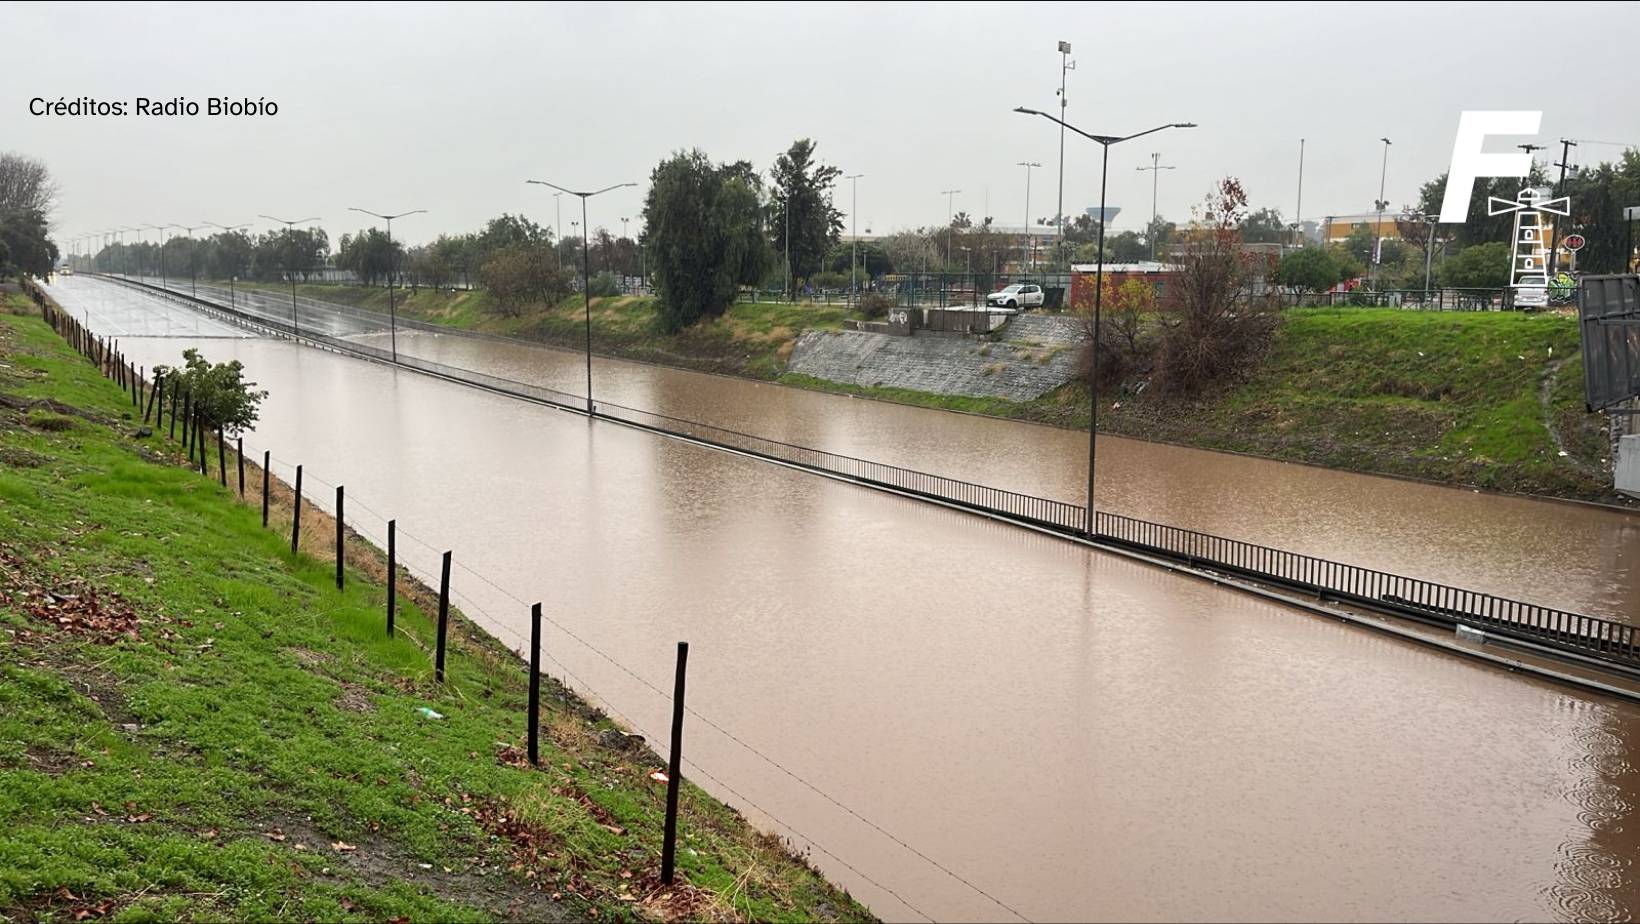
column 1066, row 65
column 1156, row 167
column 1566, row 145
column 1378, row 244
column 392, row 310
column 854, row 232
column 1030, row 242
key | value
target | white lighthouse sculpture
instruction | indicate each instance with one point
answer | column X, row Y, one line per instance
column 1529, row 257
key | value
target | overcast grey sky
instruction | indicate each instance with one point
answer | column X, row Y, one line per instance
column 450, row 108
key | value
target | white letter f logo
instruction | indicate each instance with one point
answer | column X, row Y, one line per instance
column 1469, row 163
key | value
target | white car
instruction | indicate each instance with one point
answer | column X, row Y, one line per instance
column 1016, row 296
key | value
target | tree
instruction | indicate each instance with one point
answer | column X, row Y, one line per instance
column 29, row 251
column 705, row 235
column 1265, row 226
column 369, row 255
column 1213, row 328
column 25, row 185
column 1311, row 269
column 522, row 274
column 801, row 192
column 219, row 392
column 1127, row 247
column 1483, row 266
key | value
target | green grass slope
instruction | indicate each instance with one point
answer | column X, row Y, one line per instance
column 195, row 724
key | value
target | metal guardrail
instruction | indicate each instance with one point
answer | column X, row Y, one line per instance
column 1602, row 639
column 1380, row 589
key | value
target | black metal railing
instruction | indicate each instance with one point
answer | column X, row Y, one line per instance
column 1379, row 589
column 1603, row 639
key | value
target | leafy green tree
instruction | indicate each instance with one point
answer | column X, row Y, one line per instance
column 219, row 392
column 370, row 255
column 801, row 192
column 29, row 249
column 1265, row 226
column 1127, row 247
column 1311, row 269
column 1483, row 266
column 705, row 235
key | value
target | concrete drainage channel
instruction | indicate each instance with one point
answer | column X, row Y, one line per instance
column 1464, row 640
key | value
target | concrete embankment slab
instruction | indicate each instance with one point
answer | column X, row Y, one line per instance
column 1028, row 361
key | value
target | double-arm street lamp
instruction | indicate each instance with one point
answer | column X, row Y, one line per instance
column 1104, row 142
column 392, row 311
column 586, row 267
column 290, row 226
column 233, row 276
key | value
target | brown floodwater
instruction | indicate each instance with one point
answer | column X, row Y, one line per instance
column 1080, row 736
column 1575, row 557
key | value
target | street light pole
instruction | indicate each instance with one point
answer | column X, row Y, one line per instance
column 950, row 198
column 193, row 282
column 1156, row 167
column 586, row 278
column 1066, row 65
column 1378, row 244
column 290, row 227
column 233, row 274
column 1104, row 141
column 392, row 310
column 854, row 232
column 1030, row 242
column 1298, row 210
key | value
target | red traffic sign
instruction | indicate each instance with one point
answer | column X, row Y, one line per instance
column 1573, row 242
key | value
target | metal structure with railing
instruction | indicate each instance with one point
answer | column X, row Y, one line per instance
column 1603, row 642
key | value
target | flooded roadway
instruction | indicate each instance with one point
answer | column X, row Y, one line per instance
column 1081, row 736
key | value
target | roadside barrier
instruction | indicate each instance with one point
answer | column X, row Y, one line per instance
column 105, row 355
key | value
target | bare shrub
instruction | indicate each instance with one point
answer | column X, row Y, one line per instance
column 1214, row 329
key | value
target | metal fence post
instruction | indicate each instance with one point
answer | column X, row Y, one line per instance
column 340, row 537
column 267, row 457
column 392, row 572
column 159, row 393
column 443, row 617
column 221, row 458
column 296, row 515
column 187, row 415
column 535, row 685
column 239, row 454
column 674, row 770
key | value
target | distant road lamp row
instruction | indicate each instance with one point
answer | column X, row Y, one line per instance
column 1104, row 142
column 586, row 266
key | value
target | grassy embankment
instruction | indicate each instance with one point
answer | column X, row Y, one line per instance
column 750, row 339
column 1486, row 399
column 194, row 724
